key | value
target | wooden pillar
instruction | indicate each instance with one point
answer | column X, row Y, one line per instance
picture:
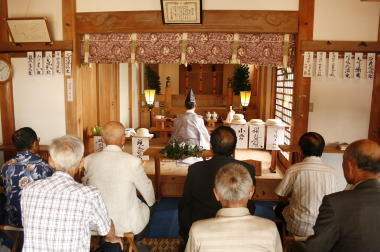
column 374, row 122
column 6, row 89
column 302, row 85
column 73, row 109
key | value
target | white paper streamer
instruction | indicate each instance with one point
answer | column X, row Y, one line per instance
column 308, row 64
column 68, row 56
column 38, row 64
column 70, row 90
column 347, row 65
column 333, row 65
column 30, row 63
column 48, row 63
column 371, row 62
column 321, row 65
column 57, row 62
column 358, row 65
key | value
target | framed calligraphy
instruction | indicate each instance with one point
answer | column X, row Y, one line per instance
column 181, row 11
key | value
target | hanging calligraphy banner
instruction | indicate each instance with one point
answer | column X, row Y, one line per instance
column 321, row 65
column 275, row 137
column 98, row 143
column 30, row 63
column 241, row 131
column 308, row 64
column 371, row 61
column 358, row 65
column 139, row 146
column 347, row 65
column 68, row 55
column 38, row 70
column 333, row 65
column 48, row 63
column 57, row 62
column 256, row 136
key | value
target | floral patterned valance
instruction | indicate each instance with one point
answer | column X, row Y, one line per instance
column 266, row 49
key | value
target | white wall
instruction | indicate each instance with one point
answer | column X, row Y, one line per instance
column 342, row 107
column 132, row 5
column 39, row 101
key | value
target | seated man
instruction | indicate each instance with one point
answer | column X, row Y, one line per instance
column 305, row 184
column 234, row 229
column 118, row 175
column 58, row 212
column 349, row 221
column 198, row 201
column 190, row 127
column 25, row 168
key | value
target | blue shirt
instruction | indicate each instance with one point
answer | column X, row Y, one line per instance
column 25, row 168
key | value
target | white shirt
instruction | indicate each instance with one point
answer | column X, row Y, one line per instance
column 57, row 214
column 234, row 229
column 306, row 183
column 118, row 175
column 190, row 127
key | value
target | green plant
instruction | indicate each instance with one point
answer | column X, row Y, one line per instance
column 178, row 150
column 153, row 79
column 240, row 79
column 97, row 130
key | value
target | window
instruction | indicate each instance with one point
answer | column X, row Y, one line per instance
column 284, row 100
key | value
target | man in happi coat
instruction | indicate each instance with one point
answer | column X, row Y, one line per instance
column 189, row 127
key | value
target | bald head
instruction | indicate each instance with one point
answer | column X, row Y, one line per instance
column 113, row 133
column 361, row 160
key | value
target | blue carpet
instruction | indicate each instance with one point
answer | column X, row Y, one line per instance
column 164, row 222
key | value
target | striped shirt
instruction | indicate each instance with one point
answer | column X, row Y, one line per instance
column 306, row 183
column 234, row 230
column 58, row 212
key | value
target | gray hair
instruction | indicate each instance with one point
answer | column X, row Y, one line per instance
column 233, row 182
column 67, row 152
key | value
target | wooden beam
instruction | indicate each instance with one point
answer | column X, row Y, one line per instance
column 73, row 109
column 9, row 47
column 374, row 122
column 213, row 21
column 339, row 46
column 130, row 95
column 302, row 85
column 6, row 89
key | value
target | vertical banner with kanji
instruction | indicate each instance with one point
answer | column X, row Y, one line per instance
column 333, row 65
column 275, row 137
column 308, row 64
column 30, row 63
column 371, row 60
column 320, row 70
column 256, row 136
column 358, row 66
column 38, row 69
column 98, row 143
column 347, row 65
column 242, row 135
column 48, row 63
column 139, row 146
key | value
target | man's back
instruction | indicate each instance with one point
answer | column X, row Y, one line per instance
column 58, row 213
column 198, row 201
column 117, row 175
column 348, row 221
column 189, row 127
column 234, row 229
column 306, row 183
column 25, row 168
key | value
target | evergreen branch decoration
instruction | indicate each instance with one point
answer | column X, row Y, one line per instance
column 240, row 79
column 153, row 79
column 179, row 150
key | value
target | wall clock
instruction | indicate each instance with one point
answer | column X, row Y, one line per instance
column 5, row 70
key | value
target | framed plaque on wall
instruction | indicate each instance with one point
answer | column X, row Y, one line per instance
column 181, row 11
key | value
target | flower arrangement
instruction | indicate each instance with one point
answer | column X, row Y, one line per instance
column 179, row 150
